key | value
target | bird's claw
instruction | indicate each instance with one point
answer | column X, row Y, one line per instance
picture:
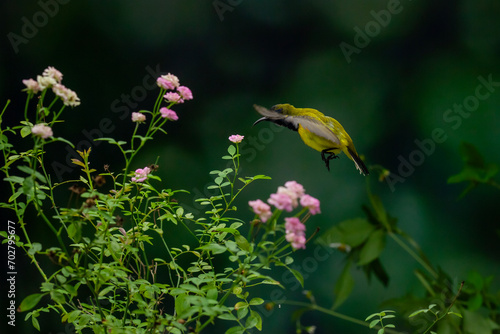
column 327, row 159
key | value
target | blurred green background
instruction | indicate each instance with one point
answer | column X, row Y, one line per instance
column 395, row 87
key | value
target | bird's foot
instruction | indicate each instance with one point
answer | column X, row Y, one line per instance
column 326, row 158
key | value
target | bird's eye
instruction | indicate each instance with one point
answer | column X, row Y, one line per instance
column 277, row 108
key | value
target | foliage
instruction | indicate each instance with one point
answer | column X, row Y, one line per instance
column 104, row 277
column 383, row 315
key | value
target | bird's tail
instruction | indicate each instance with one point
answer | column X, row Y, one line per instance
column 360, row 165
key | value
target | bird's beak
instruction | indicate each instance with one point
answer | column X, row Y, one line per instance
column 260, row 120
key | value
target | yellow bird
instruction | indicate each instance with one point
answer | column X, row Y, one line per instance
column 322, row 133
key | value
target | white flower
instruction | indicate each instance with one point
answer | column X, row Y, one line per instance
column 138, row 117
column 45, row 82
column 51, row 72
column 42, row 130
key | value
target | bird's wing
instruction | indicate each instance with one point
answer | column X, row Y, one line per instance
column 312, row 124
column 315, row 126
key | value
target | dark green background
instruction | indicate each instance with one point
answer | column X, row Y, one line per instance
column 393, row 92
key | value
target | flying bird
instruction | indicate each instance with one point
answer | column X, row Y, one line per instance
column 320, row 132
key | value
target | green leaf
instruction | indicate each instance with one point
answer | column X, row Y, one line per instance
column 297, row 275
column 227, row 316
column 75, row 231
column 256, row 315
column 214, row 248
column 35, row 323
column 344, row 286
column 180, row 211
column 30, row 171
column 212, row 294
column 256, row 301
column 242, row 242
column 30, row 301
column 417, row 312
column 235, row 330
column 28, row 185
column 57, row 296
column 379, row 209
column 456, row 314
column 352, row 232
column 251, row 321
column 231, row 150
column 374, row 323
column 242, row 312
column 372, row 248
column 14, row 179
column 181, row 304
column 25, row 131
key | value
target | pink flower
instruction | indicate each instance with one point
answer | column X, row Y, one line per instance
column 31, row 86
column 236, row 138
column 173, row 97
column 141, row 174
column 168, row 81
column 293, row 224
column 185, row 93
column 295, row 232
column 68, row 96
column 138, row 117
column 296, row 188
column 297, row 240
column 51, row 72
column 169, row 114
column 261, row 209
column 281, row 201
column 311, row 203
column 42, row 130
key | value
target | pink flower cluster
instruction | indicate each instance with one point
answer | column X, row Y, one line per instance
column 51, row 78
column 141, row 174
column 178, row 95
column 295, row 232
column 288, row 198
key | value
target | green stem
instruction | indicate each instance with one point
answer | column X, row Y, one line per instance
column 448, row 310
column 413, row 254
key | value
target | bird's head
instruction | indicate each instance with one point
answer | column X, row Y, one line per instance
column 285, row 109
column 276, row 113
